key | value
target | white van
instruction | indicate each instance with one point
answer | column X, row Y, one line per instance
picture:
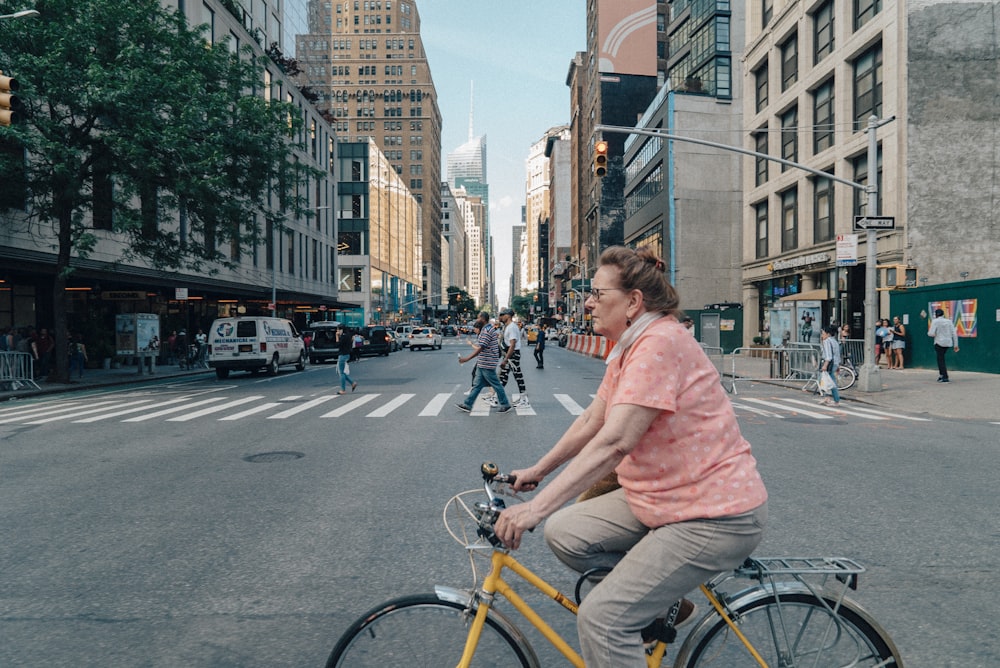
column 403, row 334
column 254, row 344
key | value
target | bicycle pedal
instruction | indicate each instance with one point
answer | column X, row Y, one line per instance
column 658, row 630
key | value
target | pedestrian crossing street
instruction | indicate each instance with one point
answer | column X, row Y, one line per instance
column 219, row 405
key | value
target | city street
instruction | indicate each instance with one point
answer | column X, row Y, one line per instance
column 246, row 522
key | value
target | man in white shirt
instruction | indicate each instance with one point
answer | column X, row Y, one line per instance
column 511, row 360
column 943, row 332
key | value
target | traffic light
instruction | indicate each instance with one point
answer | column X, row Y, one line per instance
column 600, row 158
column 10, row 106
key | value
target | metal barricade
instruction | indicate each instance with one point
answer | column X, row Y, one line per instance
column 17, row 371
column 792, row 364
column 853, row 349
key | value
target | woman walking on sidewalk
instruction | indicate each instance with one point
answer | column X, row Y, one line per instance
column 345, row 342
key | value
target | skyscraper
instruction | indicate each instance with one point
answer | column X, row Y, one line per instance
column 366, row 66
column 467, row 170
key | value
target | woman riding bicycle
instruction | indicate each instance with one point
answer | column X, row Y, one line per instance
column 692, row 503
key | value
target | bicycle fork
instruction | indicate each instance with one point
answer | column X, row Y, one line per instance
column 495, row 584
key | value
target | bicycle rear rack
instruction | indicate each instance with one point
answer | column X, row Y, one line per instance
column 845, row 569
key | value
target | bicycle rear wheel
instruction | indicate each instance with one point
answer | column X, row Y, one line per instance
column 802, row 633
column 846, row 377
column 423, row 630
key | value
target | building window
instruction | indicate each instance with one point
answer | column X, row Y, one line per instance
column 823, row 119
column 860, row 165
column 865, row 10
column 823, row 31
column 790, row 136
column 760, row 146
column 789, row 62
column 867, row 86
column 823, row 209
column 760, row 209
column 766, row 12
column 760, row 85
column 789, row 220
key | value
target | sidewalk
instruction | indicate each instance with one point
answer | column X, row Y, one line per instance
column 969, row 395
column 97, row 378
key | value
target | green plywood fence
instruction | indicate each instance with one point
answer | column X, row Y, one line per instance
column 975, row 306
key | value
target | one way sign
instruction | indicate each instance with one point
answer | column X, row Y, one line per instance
column 863, row 223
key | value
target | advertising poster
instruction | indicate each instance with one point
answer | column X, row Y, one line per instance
column 781, row 326
column 137, row 333
column 962, row 312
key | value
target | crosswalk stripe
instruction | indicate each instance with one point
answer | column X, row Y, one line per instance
column 434, row 406
column 251, row 411
column 391, row 406
column 347, row 408
column 774, row 404
column 175, row 409
column 525, row 410
column 108, row 416
column 304, row 406
column 865, row 409
column 87, row 411
column 214, row 409
column 758, row 411
column 25, row 411
column 568, row 403
column 840, row 409
column 49, row 410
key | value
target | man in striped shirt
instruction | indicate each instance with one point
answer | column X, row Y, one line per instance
column 487, row 352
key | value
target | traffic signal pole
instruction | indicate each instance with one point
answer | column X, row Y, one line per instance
column 869, row 378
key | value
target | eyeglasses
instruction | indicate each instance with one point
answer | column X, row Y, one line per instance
column 595, row 293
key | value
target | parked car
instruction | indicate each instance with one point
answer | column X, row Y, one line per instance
column 424, row 337
column 377, row 341
column 254, row 344
column 324, row 344
column 403, row 332
column 394, row 343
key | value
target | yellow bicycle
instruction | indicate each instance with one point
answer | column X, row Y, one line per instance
column 795, row 614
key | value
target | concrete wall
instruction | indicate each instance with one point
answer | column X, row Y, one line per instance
column 953, row 139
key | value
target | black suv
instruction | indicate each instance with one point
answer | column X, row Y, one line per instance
column 377, row 341
column 324, row 344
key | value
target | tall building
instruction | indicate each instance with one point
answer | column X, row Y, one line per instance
column 366, row 65
column 454, row 256
column 379, row 227
column 537, row 188
column 815, row 73
column 611, row 84
column 682, row 200
column 467, row 169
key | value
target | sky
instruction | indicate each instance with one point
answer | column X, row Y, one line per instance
column 517, row 55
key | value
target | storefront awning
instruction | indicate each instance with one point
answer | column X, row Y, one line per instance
column 811, row 295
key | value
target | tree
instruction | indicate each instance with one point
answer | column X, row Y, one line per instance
column 460, row 301
column 522, row 304
column 135, row 122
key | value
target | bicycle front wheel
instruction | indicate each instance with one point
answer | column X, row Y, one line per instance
column 846, row 377
column 798, row 631
column 423, row 630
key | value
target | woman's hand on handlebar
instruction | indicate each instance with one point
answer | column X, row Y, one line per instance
column 513, row 522
column 525, row 480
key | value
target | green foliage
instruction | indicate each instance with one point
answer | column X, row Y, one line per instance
column 463, row 303
column 125, row 96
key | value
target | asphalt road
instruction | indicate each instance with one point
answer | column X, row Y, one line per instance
column 254, row 534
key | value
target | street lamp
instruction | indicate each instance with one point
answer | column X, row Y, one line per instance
column 23, row 14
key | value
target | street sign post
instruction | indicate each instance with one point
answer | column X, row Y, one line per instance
column 865, row 223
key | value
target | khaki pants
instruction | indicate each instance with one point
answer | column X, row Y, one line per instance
column 653, row 568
